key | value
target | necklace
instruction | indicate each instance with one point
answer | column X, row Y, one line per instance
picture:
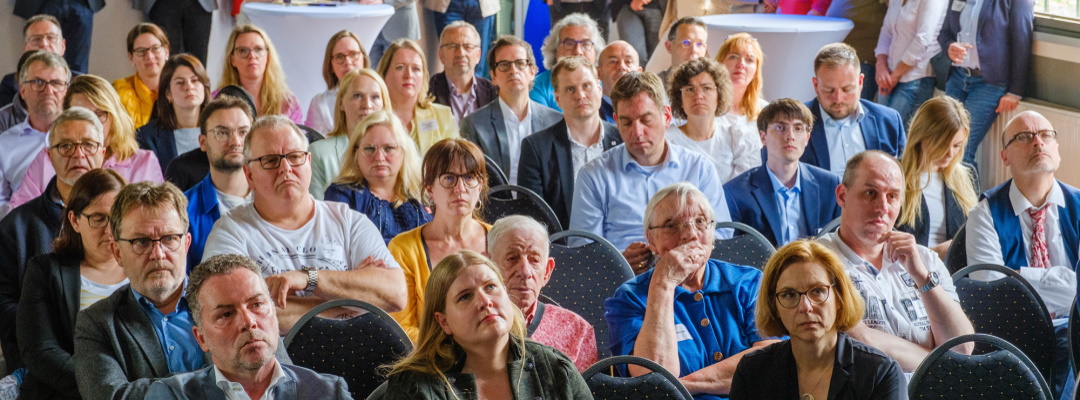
column 807, row 395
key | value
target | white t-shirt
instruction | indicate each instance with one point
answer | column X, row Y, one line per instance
column 336, row 238
column 933, row 193
column 227, row 202
column 731, row 150
column 91, row 292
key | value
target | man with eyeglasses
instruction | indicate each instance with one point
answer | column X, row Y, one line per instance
column 75, row 147
column 41, row 32
column 691, row 314
column 499, row 127
column 75, row 17
column 223, row 125
column 784, row 199
column 574, row 35
column 459, row 86
column 310, row 251
column 911, row 303
column 616, row 60
column 687, row 40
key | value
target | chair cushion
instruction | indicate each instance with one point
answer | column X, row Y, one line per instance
column 995, row 375
column 352, row 348
column 648, row 386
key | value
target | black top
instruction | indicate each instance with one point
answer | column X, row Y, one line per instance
column 188, row 169
column 46, row 327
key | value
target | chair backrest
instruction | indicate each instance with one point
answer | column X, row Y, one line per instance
column 1074, row 339
column 1005, row 373
column 506, row 200
column 829, row 227
column 352, row 348
column 956, row 258
column 312, row 134
column 378, row 393
column 748, row 247
column 1008, row 308
column 496, row 176
column 654, row 385
column 584, row 277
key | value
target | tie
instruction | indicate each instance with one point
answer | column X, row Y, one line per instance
column 1040, row 258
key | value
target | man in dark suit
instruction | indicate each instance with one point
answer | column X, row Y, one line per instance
column 551, row 158
column 236, row 323
column 784, row 199
column 844, row 124
column 499, row 127
column 76, row 18
column 457, row 86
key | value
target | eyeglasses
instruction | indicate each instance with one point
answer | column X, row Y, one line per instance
column 38, row 85
column 1047, row 136
column 520, row 64
column 694, row 90
column 687, row 43
column 272, row 161
column 387, row 149
column 699, row 224
column 450, row 181
column 223, row 134
column 142, row 51
column 67, row 149
column 791, row 298
column 456, row 46
column 39, row 40
column 571, row 44
column 142, row 245
column 97, row 220
column 340, row 58
column 244, row 52
column 783, row 129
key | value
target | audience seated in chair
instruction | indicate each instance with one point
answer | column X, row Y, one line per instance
column 458, row 86
column 742, row 56
column 784, row 199
column 500, row 126
column 692, row 315
column 190, row 168
column 147, row 50
column 41, row 32
column 519, row 246
column 236, row 324
column 580, row 137
column 254, row 64
column 362, row 93
column 687, row 40
column 894, row 274
column 574, row 35
column 404, row 69
column 185, row 90
column 322, row 249
column 344, row 54
column 617, row 59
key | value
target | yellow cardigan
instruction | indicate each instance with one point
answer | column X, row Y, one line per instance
column 431, row 125
column 137, row 99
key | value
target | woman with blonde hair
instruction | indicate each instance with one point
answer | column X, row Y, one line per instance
column 381, row 176
column 148, row 49
column 344, row 54
column 939, row 190
column 742, row 56
column 362, row 93
column 472, row 343
column 404, row 69
column 122, row 152
column 253, row 64
column 807, row 295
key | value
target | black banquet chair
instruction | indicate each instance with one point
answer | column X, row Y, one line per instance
column 828, row 228
column 496, row 176
column 1074, row 338
column 956, row 258
column 1005, row 373
column 658, row 384
column 748, row 247
column 504, row 200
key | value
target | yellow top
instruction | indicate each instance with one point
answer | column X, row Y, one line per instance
column 138, row 99
column 431, row 125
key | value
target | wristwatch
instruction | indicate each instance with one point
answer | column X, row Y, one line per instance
column 313, row 279
column 932, row 281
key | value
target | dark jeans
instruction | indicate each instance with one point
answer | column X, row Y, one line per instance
column 186, row 24
column 469, row 11
column 77, row 25
column 869, row 83
column 980, row 98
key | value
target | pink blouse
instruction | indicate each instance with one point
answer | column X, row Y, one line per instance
column 569, row 333
column 143, row 166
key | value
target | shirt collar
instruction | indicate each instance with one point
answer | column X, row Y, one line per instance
column 1021, row 204
column 855, row 117
column 779, row 186
column 24, row 128
column 712, row 282
column 181, row 305
column 509, row 114
column 850, row 259
column 454, row 92
column 628, row 163
column 226, row 385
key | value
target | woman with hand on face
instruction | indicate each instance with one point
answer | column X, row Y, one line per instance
column 741, row 55
column 147, row 48
column 362, row 93
column 455, row 181
column 253, row 64
column 404, row 69
column 80, row 271
column 806, row 294
column 185, row 90
column 472, row 343
column 344, row 54
column 381, row 177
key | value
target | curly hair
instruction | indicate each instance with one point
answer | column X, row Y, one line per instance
column 681, row 79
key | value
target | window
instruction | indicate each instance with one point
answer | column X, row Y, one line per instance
column 1058, row 8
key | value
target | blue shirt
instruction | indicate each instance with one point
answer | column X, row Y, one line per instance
column 969, row 22
column 203, row 212
column 543, row 92
column 611, row 192
column 844, row 137
column 711, row 324
column 789, row 206
column 20, row 143
column 174, row 332
column 390, row 220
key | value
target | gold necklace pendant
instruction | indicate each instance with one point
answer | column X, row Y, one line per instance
column 806, row 396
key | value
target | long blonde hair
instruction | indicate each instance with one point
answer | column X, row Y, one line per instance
column 274, row 95
column 340, row 127
column 749, row 101
column 423, row 98
column 121, row 141
column 932, row 130
column 407, row 185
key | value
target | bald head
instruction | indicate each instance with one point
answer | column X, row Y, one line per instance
column 616, row 60
column 1027, row 121
column 1030, row 147
column 869, row 196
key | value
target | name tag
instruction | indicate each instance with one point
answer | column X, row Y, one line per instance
column 429, row 125
column 958, row 5
column 681, row 333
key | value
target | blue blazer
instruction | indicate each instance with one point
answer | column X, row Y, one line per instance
column 159, row 140
column 1013, row 251
column 1004, row 41
column 752, row 201
column 298, row 383
column 882, row 129
column 202, row 214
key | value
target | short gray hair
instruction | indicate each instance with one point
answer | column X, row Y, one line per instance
column 218, row 265
column 514, row 223
column 76, row 113
column 267, row 122
column 551, row 43
column 683, row 192
column 51, row 60
column 460, row 24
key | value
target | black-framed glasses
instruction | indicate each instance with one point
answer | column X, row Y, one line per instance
column 790, row 298
column 449, row 181
column 272, row 161
column 142, row 245
column 223, row 134
column 783, row 129
column 38, row 85
column 456, row 46
column 699, row 224
column 520, row 64
column 38, row 40
column 571, row 44
column 694, row 90
column 1046, row 135
column 96, row 220
column 386, row 149
column 244, row 52
column 688, row 43
column 67, row 149
column 143, row 51
column 340, row 58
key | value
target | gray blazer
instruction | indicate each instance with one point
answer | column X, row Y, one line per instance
column 405, row 23
column 487, row 129
column 298, row 383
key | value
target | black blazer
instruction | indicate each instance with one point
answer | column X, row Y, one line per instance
column 954, row 219
column 46, row 327
column 861, row 372
column 159, row 140
column 547, row 165
column 439, row 87
column 188, row 169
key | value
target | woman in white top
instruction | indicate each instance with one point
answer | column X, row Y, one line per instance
column 938, row 190
column 742, row 56
column 907, row 43
column 700, row 92
column 344, row 54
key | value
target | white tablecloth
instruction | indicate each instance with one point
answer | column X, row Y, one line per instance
column 790, row 43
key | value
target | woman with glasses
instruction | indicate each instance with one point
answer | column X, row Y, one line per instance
column 806, row 295
column 741, row 55
column 122, row 152
column 253, row 64
column 80, row 271
column 381, row 176
column 939, row 190
column 455, row 181
column 147, row 48
column 700, row 93
column 344, row 54
column 362, row 93
column 404, row 69
column 185, row 90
